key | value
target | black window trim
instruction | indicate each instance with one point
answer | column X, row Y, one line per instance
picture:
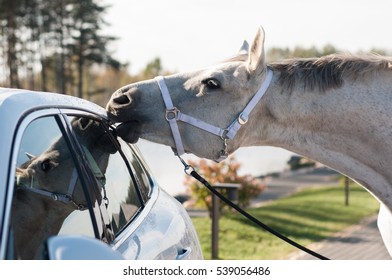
column 136, row 154
column 79, row 113
column 83, row 172
column 101, row 232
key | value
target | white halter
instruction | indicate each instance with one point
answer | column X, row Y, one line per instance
column 173, row 115
column 65, row 198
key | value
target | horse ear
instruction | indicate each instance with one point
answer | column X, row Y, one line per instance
column 84, row 123
column 256, row 58
column 30, row 156
column 244, row 48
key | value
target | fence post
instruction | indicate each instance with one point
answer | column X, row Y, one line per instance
column 347, row 190
column 215, row 228
column 233, row 196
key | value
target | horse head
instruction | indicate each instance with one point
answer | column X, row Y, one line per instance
column 51, row 174
column 210, row 99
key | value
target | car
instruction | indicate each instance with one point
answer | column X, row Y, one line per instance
column 71, row 189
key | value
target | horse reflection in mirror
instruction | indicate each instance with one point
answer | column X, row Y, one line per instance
column 336, row 110
column 48, row 188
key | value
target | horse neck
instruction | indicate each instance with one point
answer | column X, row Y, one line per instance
column 348, row 129
column 34, row 220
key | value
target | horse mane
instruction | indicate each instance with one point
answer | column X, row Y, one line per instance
column 328, row 72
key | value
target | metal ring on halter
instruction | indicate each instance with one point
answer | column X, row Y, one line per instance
column 171, row 114
column 224, row 136
column 188, row 169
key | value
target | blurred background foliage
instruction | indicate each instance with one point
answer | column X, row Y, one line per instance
column 60, row 46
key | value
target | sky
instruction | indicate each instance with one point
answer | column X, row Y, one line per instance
column 191, row 34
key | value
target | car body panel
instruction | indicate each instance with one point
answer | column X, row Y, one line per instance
column 176, row 233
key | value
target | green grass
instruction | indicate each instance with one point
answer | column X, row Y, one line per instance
column 306, row 217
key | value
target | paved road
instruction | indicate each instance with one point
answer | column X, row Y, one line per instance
column 290, row 182
column 359, row 242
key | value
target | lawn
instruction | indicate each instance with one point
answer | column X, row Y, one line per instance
column 306, row 217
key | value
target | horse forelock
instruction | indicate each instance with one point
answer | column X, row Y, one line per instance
column 328, row 72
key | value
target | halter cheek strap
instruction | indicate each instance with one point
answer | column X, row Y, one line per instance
column 173, row 115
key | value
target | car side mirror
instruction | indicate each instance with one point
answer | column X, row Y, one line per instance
column 69, row 247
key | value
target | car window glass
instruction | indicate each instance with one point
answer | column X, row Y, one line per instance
column 142, row 176
column 111, row 171
column 48, row 191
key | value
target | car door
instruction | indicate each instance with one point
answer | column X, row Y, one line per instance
column 146, row 222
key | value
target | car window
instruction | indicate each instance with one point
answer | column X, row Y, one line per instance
column 111, row 170
column 141, row 174
column 48, row 192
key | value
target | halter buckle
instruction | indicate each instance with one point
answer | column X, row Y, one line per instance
column 171, row 114
column 243, row 118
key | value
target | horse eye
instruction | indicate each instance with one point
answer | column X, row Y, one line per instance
column 211, row 83
column 46, row 165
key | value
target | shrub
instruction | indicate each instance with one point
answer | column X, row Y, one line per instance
column 224, row 172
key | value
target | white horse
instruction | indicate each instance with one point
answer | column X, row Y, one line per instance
column 335, row 109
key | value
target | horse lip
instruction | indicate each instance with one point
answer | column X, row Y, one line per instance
column 129, row 131
column 113, row 117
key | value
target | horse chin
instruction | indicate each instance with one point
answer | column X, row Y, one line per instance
column 129, row 131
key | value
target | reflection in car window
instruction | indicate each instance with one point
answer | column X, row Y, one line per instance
column 123, row 199
column 47, row 189
column 119, row 188
column 141, row 174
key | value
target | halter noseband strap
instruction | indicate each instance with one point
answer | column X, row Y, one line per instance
column 173, row 115
column 65, row 198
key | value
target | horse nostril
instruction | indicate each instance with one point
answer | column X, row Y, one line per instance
column 122, row 100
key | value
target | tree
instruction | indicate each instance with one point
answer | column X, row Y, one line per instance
column 153, row 69
column 10, row 21
column 275, row 54
column 90, row 46
column 224, row 172
column 56, row 38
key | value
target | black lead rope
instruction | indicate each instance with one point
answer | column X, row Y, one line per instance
column 196, row 175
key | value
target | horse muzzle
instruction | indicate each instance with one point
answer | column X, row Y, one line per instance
column 130, row 131
column 120, row 104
